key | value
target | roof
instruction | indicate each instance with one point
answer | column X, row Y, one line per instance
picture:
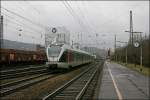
column 77, row 50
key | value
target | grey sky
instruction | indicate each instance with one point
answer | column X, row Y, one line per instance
column 104, row 18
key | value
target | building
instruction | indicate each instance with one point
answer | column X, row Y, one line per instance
column 57, row 34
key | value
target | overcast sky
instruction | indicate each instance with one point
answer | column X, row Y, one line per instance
column 104, row 18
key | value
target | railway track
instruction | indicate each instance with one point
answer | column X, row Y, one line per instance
column 24, row 82
column 82, row 86
column 17, row 81
column 12, row 87
column 22, row 72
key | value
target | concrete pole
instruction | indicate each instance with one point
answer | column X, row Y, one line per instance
column 141, row 54
column 126, row 55
column 131, row 27
column 1, row 31
column 115, row 49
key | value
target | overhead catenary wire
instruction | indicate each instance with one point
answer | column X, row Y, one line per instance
column 71, row 13
column 82, row 22
column 14, row 30
column 75, row 16
column 26, row 31
column 16, row 14
column 83, row 17
column 102, row 23
column 86, row 20
column 34, row 8
column 89, row 23
column 28, row 3
column 26, row 27
column 18, row 23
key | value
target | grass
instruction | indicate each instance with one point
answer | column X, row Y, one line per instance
column 142, row 69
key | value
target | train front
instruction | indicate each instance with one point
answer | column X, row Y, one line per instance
column 53, row 52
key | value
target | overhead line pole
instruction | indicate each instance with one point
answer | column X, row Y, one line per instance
column 1, row 31
column 141, row 55
column 131, row 28
column 115, row 49
column 131, row 37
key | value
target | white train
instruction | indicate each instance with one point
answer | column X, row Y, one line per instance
column 64, row 56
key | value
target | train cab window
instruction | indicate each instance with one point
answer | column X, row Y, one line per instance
column 54, row 51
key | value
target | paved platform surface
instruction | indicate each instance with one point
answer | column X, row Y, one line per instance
column 119, row 82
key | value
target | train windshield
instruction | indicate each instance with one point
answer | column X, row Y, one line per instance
column 54, row 51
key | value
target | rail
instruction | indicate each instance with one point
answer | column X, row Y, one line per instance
column 75, row 88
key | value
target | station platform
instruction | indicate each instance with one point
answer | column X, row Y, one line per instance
column 119, row 82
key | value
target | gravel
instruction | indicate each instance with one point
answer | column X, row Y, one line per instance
column 39, row 90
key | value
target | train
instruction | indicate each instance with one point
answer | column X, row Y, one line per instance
column 55, row 55
column 12, row 53
column 66, row 57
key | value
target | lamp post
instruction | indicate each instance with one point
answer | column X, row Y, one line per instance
column 141, row 56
